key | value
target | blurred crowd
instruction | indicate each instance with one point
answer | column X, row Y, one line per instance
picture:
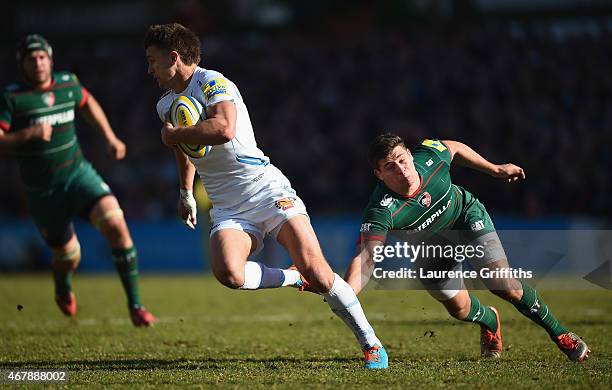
column 533, row 96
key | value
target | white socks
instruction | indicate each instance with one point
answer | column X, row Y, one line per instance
column 258, row 276
column 344, row 303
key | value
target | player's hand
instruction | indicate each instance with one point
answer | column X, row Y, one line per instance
column 116, row 148
column 166, row 130
column 509, row 172
column 188, row 208
column 42, row 131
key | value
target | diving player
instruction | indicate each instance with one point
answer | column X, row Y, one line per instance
column 415, row 193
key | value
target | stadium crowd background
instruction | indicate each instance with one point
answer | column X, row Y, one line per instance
column 536, row 91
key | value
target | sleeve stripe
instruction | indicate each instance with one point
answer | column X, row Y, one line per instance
column 4, row 126
column 84, row 98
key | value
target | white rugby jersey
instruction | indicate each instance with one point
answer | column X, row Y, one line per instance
column 231, row 172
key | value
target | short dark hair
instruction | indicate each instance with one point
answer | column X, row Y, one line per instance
column 175, row 37
column 382, row 146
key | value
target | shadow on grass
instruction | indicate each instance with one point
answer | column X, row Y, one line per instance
column 174, row 364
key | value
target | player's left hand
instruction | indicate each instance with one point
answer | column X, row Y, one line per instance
column 166, row 130
column 116, row 148
column 509, row 172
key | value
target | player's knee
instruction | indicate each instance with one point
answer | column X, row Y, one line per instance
column 459, row 313
column 458, row 308
column 233, row 279
column 513, row 293
column 320, row 281
column 66, row 259
column 113, row 226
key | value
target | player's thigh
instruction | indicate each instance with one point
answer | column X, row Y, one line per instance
column 229, row 249
column 51, row 215
column 493, row 268
column 300, row 240
column 440, row 277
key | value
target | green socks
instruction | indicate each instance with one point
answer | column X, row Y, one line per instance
column 126, row 263
column 63, row 283
column 481, row 314
column 534, row 308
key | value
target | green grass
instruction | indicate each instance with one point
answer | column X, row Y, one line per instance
column 209, row 336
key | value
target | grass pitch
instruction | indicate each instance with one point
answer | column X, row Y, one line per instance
column 209, row 336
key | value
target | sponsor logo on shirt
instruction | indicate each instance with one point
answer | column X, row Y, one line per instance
column 386, row 200
column 439, row 146
column 429, row 162
column 365, row 227
column 434, row 216
column 55, row 119
column 284, row 204
column 215, row 87
column 478, row 225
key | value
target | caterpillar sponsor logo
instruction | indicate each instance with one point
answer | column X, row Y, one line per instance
column 478, row 225
column 434, row 216
column 55, row 119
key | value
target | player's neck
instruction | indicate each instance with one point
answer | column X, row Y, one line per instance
column 182, row 78
column 408, row 188
column 41, row 85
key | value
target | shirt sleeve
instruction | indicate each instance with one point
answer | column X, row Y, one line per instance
column 218, row 89
column 375, row 224
column 80, row 92
column 438, row 148
column 6, row 112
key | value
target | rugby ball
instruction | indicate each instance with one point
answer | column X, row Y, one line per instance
column 187, row 111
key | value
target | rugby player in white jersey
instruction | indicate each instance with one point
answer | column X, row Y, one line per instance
column 250, row 197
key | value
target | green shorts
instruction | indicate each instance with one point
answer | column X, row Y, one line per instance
column 474, row 228
column 54, row 208
column 474, row 220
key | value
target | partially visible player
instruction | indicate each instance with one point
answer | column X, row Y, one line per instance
column 37, row 127
column 251, row 198
column 415, row 193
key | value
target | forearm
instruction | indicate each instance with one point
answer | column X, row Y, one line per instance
column 186, row 170
column 360, row 270
column 95, row 116
column 214, row 131
column 9, row 141
column 468, row 157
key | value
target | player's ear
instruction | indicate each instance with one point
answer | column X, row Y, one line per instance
column 377, row 173
column 174, row 56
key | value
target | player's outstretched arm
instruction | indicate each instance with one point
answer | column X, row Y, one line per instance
column 38, row 131
column 360, row 270
column 95, row 116
column 218, row 128
column 468, row 157
column 187, row 207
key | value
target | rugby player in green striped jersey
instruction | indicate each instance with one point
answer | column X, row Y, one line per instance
column 37, row 128
column 415, row 194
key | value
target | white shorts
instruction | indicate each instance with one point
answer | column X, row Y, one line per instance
column 263, row 213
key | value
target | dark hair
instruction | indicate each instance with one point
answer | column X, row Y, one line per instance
column 175, row 37
column 382, row 146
